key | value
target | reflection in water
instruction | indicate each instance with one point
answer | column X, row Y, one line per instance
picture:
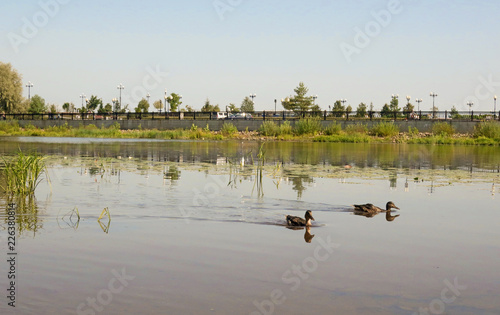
column 390, row 217
column 27, row 214
column 72, row 219
column 307, row 235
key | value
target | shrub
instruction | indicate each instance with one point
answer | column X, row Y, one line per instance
column 285, row 128
column 385, row 129
column 228, row 129
column 307, row 126
column 413, row 131
column 356, row 129
column 443, row 129
column 333, row 129
column 269, row 129
column 488, row 130
column 9, row 126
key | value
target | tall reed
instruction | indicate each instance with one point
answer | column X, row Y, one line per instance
column 24, row 173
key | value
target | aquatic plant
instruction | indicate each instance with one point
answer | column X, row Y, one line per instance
column 356, row 129
column 333, row 129
column 269, row 129
column 24, row 173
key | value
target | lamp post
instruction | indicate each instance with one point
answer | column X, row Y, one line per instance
column 470, row 105
column 343, row 102
column 148, row 96
column 495, row 107
column 252, row 96
column 29, row 86
column 433, row 95
column 418, row 102
column 275, row 102
column 115, row 101
column 82, row 96
column 120, row 87
column 408, row 98
column 166, row 96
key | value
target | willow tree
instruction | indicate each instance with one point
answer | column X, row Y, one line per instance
column 11, row 89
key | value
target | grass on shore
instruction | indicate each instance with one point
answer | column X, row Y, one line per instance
column 487, row 133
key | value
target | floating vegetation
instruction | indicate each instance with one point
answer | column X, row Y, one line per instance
column 105, row 227
column 72, row 218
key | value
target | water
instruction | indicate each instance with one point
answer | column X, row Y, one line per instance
column 198, row 228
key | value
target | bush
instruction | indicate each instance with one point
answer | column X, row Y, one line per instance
column 356, row 129
column 443, row 129
column 488, row 130
column 228, row 129
column 285, row 128
column 269, row 129
column 333, row 129
column 413, row 131
column 385, row 129
column 307, row 126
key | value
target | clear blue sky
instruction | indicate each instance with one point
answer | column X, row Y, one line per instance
column 263, row 47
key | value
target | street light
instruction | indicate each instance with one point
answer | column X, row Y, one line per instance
column 120, row 87
column 433, row 95
column 495, row 107
column 314, row 99
column 343, row 101
column 148, row 96
column 470, row 105
column 115, row 101
column 29, row 86
column 252, row 96
column 166, row 96
column 418, row 102
column 408, row 98
column 82, row 96
column 276, row 101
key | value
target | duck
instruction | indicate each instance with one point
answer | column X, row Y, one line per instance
column 370, row 208
column 298, row 221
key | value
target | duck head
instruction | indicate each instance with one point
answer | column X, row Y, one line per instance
column 390, row 205
column 309, row 217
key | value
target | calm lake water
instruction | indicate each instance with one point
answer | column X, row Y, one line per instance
column 198, row 228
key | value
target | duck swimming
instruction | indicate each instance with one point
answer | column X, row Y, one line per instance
column 369, row 208
column 298, row 221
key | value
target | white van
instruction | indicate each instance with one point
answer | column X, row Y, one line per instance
column 220, row 115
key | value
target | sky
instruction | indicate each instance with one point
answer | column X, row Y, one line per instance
column 225, row 50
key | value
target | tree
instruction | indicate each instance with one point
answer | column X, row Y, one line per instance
column 338, row 109
column 188, row 109
column 105, row 109
column 386, row 111
column 37, row 105
column 315, row 108
column 454, row 113
column 174, row 101
column 53, row 108
column 94, row 103
column 361, row 110
column 68, row 107
column 11, row 89
column 158, row 105
column 247, row 105
column 394, row 105
column 299, row 102
column 143, row 106
column 408, row 108
column 348, row 110
column 210, row 108
column 233, row 109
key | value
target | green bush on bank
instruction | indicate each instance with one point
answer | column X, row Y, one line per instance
column 489, row 130
column 443, row 129
column 385, row 129
column 307, row 126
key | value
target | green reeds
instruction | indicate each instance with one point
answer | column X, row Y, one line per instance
column 24, row 173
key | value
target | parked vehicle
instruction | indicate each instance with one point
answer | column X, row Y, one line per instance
column 220, row 115
column 239, row 116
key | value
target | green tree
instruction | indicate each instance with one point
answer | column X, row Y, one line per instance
column 158, row 105
column 454, row 113
column 315, row 108
column 299, row 102
column 394, row 105
column 188, row 109
column 338, row 109
column 174, row 101
column 143, row 106
column 68, row 107
column 53, row 108
column 233, row 109
column 361, row 110
column 348, row 109
column 386, row 111
column 11, row 89
column 37, row 105
column 247, row 105
column 94, row 103
column 209, row 107
column 408, row 108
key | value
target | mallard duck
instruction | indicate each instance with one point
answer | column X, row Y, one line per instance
column 298, row 221
column 369, row 208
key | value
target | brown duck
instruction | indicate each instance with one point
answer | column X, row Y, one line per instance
column 369, row 208
column 298, row 221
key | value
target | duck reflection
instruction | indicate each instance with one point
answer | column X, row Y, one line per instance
column 307, row 235
column 369, row 211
